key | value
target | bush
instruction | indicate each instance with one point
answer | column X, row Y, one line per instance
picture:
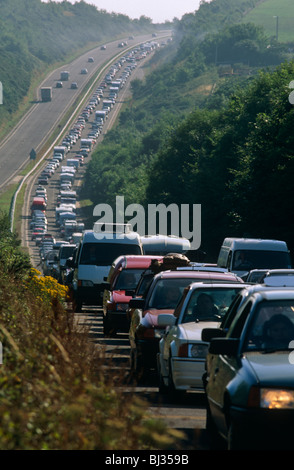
column 55, row 392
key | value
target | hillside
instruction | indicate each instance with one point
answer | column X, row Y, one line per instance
column 265, row 15
column 36, row 35
column 183, row 135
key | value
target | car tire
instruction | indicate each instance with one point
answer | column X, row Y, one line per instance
column 215, row 441
column 136, row 364
column 234, row 440
column 162, row 388
column 174, row 394
column 107, row 330
column 78, row 305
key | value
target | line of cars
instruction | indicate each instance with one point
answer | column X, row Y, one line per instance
column 66, row 223
column 54, row 250
column 140, row 298
column 203, row 328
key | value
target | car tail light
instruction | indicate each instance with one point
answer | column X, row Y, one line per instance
column 110, row 305
column 149, row 333
column 183, row 350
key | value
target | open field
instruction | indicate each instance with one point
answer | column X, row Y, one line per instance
column 264, row 15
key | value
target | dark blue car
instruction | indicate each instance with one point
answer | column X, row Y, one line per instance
column 249, row 379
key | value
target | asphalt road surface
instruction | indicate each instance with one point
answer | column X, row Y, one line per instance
column 187, row 415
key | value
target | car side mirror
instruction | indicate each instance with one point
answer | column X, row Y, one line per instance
column 209, row 333
column 137, row 303
column 224, row 346
column 106, row 285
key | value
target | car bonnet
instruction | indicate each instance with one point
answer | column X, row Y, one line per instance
column 192, row 331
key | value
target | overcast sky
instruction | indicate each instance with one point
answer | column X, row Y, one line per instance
column 157, row 10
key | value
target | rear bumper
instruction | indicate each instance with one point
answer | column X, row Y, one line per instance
column 90, row 295
column 118, row 320
column 188, row 373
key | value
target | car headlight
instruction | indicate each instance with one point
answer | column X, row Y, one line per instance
column 276, row 398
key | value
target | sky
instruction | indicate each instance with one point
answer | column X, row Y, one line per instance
column 158, row 10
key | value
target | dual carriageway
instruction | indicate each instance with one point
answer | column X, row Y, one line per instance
column 34, row 131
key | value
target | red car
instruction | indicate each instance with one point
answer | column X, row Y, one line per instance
column 122, row 280
column 164, row 294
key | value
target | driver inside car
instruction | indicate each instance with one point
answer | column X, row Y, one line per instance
column 204, row 308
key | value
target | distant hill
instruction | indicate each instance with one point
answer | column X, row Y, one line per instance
column 264, row 15
column 34, row 35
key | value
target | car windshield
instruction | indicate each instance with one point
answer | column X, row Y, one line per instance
column 260, row 259
column 66, row 252
column 128, row 279
column 272, row 327
column 167, row 293
column 208, row 304
column 102, row 254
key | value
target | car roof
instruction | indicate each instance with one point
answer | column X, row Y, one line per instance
column 134, row 261
column 214, row 285
column 276, row 293
column 205, row 275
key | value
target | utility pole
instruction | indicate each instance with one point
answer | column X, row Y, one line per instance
column 277, row 27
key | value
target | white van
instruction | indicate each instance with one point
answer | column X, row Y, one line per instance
column 93, row 261
column 240, row 255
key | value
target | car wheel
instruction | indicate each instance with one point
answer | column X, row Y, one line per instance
column 234, row 441
column 78, row 305
column 215, row 441
column 240, row 438
column 107, row 330
column 162, row 388
column 131, row 360
column 136, row 362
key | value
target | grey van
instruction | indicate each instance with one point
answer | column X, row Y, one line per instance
column 241, row 255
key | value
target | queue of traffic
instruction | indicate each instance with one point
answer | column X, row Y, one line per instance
column 204, row 328
column 66, row 162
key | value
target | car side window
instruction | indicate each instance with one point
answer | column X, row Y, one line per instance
column 229, row 260
column 237, row 325
column 231, row 313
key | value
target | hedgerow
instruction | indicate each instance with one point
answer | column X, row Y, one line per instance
column 55, row 390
